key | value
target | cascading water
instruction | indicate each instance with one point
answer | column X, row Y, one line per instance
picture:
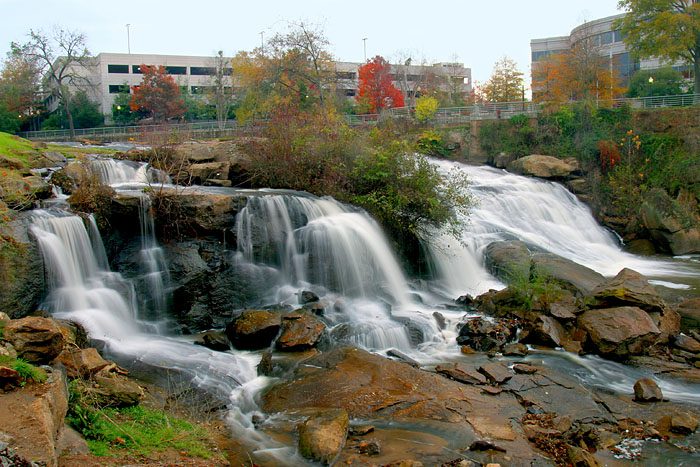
column 545, row 216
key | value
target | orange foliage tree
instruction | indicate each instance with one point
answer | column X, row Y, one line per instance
column 376, row 91
column 157, row 94
column 580, row 73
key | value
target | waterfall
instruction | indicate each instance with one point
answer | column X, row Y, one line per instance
column 115, row 172
column 544, row 215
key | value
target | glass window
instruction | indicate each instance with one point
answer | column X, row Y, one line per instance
column 203, row 70
column 176, row 70
column 606, row 38
column 118, row 69
column 136, row 69
column 118, row 88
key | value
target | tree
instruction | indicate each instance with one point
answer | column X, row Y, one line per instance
column 664, row 82
column 62, row 59
column 580, row 73
column 121, row 108
column 291, row 70
column 426, row 106
column 20, row 85
column 376, row 90
column 221, row 92
column 158, row 94
column 668, row 29
column 86, row 114
column 506, row 83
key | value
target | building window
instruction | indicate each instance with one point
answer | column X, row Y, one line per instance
column 606, row 38
column 203, row 70
column 136, row 69
column 118, row 69
column 176, row 70
column 537, row 56
column 118, row 88
column 345, row 74
column 349, row 92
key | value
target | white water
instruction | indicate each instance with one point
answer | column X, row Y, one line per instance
column 545, row 216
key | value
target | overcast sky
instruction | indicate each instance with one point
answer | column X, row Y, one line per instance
column 477, row 32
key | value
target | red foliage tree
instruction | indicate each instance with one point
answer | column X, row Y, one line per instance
column 157, row 94
column 376, row 89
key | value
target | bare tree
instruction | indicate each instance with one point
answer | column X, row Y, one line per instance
column 63, row 59
column 221, row 92
column 411, row 77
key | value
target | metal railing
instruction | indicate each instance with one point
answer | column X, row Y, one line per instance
column 443, row 116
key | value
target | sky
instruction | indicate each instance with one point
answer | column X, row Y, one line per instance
column 476, row 33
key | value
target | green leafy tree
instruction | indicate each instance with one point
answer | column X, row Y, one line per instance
column 20, row 89
column 85, row 114
column 121, row 110
column 663, row 82
column 668, row 29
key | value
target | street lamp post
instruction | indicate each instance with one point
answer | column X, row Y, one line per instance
column 364, row 44
column 128, row 39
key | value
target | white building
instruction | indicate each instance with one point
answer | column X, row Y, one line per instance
column 109, row 74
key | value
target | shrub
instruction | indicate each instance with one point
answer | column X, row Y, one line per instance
column 93, row 197
column 430, row 143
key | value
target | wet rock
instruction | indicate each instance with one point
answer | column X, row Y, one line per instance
column 465, row 300
column 515, row 350
column 575, row 276
column 361, row 430
column 82, row 363
column 323, row 435
column 266, row 366
column 36, row 340
column 541, row 166
column 74, row 334
column 524, row 369
column 300, row 331
column 546, row 332
column 689, row 311
column 204, row 171
column 619, row 332
column 628, row 288
column 214, row 340
column 254, row 329
column 402, row 357
column 370, row 447
column 484, row 445
column 646, row 390
column 641, row 246
column 683, row 423
column 686, row 343
column 502, row 160
column 317, row 308
column 535, row 432
column 23, row 283
column 308, row 296
column 508, row 260
column 440, row 320
column 484, row 335
column 462, row 372
column 495, row 372
column 564, row 308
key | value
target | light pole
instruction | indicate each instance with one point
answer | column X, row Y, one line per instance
column 128, row 38
column 364, row 44
column 262, row 41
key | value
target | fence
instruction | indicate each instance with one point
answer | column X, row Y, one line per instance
column 443, row 116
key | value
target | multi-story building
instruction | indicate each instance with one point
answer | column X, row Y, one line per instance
column 606, row 40
column 109, row 74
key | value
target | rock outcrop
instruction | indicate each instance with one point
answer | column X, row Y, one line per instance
column 542, row 166
column 36, row 340
column 254, row 329
column 323, row 435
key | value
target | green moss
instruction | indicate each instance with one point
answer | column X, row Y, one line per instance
column 133, row 430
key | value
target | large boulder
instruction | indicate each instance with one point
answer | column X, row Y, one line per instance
column 300, row 331
column 36, row 340
column 546, row 331
column 628, row 288
column 486, row 335
column 200, row 173
column 537, row 165
column 619, row 332
column 22, row 280
column 82, row 363
column 254, row 329
column 575, row 276
column 323, row 435
column 666, row 221
column 205, row 212
column 114, row 390
column 508, row 260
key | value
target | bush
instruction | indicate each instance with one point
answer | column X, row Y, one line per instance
column 430, row 143
column 93, row 197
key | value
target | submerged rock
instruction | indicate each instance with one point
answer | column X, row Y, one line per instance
column 323, row 435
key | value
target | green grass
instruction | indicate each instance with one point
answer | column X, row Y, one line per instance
column 133, row 430
column 27, row 371
column 15, row 147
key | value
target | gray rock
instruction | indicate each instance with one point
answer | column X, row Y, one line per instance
column 508, row 260
column 573, row 275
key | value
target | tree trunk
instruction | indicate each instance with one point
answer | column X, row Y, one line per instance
column 69, row 114
column 696, row 70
